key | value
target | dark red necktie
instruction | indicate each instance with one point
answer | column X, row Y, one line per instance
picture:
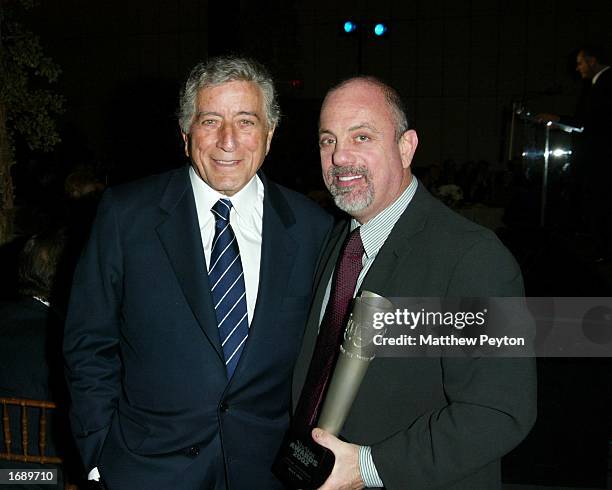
column 331, row 332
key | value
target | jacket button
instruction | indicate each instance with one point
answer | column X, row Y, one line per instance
column 224, row 407
column 193, row 451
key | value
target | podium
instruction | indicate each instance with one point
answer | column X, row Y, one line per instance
column 545, row 147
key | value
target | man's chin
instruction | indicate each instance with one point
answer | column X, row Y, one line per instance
column 352, row 206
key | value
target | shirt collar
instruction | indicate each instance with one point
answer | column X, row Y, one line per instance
column 374, row 233
column 599, row 73
column 43, row 301
column 242, row 202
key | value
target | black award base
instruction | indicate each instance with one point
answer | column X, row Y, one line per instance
column 301, row 463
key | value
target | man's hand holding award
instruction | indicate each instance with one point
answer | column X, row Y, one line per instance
column 326, row 400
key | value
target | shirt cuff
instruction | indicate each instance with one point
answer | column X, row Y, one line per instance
column 94, row 474
column 369, row 475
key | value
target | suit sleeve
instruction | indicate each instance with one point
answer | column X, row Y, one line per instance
column 491, row 401
column 91, row 336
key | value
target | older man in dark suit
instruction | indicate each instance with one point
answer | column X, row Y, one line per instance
column 416, row 423
column 189, row 303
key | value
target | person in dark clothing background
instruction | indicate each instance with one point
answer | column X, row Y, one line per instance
column 593, row 152
column 31, row 364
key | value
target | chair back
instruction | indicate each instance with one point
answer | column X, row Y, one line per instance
column 27, row 408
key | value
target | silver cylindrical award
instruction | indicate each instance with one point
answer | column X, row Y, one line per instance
column 300, row 462
column 356, row 353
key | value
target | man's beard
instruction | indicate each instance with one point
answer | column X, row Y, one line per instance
column 348, row 199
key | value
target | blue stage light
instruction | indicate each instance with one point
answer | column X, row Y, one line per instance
column 380, row 29
column 349, row 27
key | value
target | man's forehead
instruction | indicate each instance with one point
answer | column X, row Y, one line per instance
column 356, row 101
column 355, row 110
column 582, row 56
column 237, row 89
column 231, row 99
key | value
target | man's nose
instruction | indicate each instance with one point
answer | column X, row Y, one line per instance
column 227, row 138
column 342, row 156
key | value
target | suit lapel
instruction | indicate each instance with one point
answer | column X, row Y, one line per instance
column 398, row 244
column 180, row 236
column 278, row 251
column 322, row 277
column 326, row 269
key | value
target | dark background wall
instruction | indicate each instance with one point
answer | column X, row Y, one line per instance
column 460, row 64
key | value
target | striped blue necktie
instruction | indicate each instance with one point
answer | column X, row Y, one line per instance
column 226, row 279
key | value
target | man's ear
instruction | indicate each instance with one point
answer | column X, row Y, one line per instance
column 269, row 138
column 186, row 141
column 407, row 145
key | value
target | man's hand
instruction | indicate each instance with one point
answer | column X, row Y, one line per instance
column 345, row 475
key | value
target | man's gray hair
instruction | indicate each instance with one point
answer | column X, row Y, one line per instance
column 223, row 69
column 392, row 98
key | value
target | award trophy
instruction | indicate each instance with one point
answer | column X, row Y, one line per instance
column 300, row 462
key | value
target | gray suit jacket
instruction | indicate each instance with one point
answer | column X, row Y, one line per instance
column 435, row 422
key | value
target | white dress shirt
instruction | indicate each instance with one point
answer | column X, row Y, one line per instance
column 246, row 218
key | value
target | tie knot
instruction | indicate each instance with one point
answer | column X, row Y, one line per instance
column 222, row 209
column 354, row 245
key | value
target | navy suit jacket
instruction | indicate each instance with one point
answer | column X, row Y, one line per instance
column 151, row 403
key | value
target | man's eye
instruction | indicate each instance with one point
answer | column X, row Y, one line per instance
column 247, row 122
column 326, row 141
column 208, row 122
column 362, row 137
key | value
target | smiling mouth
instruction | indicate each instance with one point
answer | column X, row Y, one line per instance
column 226, row 163
column 347, row 181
